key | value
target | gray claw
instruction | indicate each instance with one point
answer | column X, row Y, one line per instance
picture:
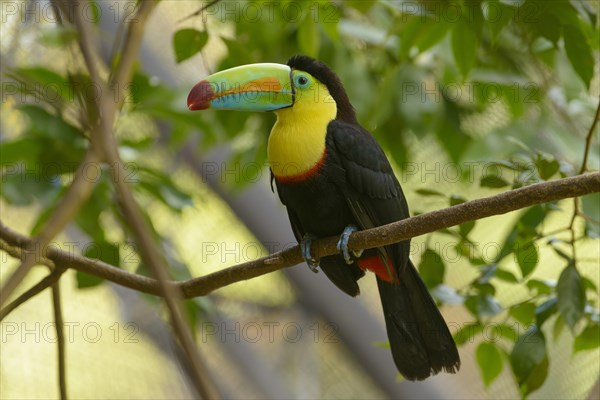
column 342, row 244
column 308, row 258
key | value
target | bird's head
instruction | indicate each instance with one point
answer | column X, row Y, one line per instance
column 304, row 84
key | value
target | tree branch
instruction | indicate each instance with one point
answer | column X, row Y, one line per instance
column 384, row 235
column 104, row 135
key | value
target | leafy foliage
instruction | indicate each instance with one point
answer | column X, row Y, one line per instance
column 187, row 42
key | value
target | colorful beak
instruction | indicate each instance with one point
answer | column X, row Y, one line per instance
column 253, row 87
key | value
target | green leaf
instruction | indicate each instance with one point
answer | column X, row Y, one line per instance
column 42, row 83
column 103, row 251
column 497, row 16
column 588, row 339
column 589, row 285
column 579, row 53
column 546, row 165
column 431, row 268
column 546, row 25
column 148, row 93
column 485, row 288
column 361, row 5
column 85, row 281
column 431, row 34
column 464, row 46
column 429, row 192
column 529, row 360
column 456, row 199
column 561, row 253
column 309, row 38
column 45, row 214
column 571, row 295
column 536, row 379
column 420, row 32
column 23, row 189
column 24, row 149
column 527, row 258
column 559, row 326
column 545, row 310
column 466, row 228
column 100, row 250
column 508, row 332
column 528, row 222
column 540, row 287
column 163, row 188
column 467, row 333
column 58, row 35
column 493, row 181
column 523, row 313
column 448, row 129
column 489, row 359
column 329, row 17
column 43, row 123
column 506, row 276
column 483, row 305
column 88, row 217
column 187, row 42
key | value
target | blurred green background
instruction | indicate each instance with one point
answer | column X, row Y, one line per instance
column 468, row 98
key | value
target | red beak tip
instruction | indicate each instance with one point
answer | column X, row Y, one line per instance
column 200, row 96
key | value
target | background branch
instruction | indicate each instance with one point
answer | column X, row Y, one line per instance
column 588, row 139
column 384, row 235
column 60, row 340
column 586, row 151
column 133, row 40
column 36, row 289
column 149, row 251
column 68, row 205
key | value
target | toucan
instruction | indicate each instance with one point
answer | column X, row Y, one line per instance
column 334, row 178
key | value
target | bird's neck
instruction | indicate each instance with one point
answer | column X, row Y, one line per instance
column 297, row 142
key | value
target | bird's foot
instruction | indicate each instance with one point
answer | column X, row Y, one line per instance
column 342, row 244
column 308, row 258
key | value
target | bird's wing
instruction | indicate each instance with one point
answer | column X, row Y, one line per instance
column 371, row 188
column 344, row 276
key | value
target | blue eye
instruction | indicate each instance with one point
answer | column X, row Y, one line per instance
column 302, row 81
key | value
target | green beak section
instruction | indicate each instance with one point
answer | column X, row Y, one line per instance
column 253, row 87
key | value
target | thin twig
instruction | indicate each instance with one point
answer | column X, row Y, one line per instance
column 588, row 139
column 384, row 235
column 200, row 11
column 90, row 57
column 36, row 289
column 60, row 340
column 121, row 75
column 586, row 151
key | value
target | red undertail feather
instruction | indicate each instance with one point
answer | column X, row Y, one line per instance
column 376, row 265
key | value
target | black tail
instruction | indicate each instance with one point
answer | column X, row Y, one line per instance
column 419, row 337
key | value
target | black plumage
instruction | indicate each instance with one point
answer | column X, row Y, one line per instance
column 356, row 185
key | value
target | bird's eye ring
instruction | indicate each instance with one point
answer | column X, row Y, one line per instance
column 302, row 81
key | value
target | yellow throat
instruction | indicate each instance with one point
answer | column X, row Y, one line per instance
column 297, row 140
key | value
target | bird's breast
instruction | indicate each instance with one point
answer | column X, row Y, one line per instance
column 297, row 141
